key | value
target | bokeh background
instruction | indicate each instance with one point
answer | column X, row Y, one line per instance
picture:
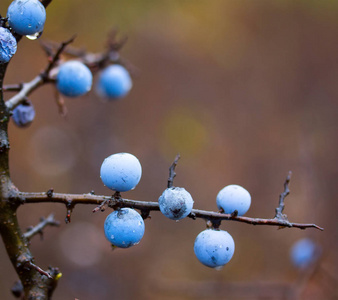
column 244, row 90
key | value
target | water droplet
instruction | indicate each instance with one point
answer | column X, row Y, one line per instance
column 112, row 237
column 219, row 268
column 34, row 36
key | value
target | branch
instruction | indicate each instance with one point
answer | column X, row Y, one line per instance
column 37, row 268
column 102, row 206
column 27, row 89
column 34, row 285
column 12, row 87
column 74, row 199
column 49, row 221
column 55, row 58
column 95, row 61
column 48, row 47
column 209, row 215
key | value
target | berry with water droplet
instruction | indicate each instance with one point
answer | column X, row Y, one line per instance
column 26, row 17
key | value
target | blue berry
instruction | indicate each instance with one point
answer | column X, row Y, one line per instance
column 175, row 203
column 26, row 17
column 74, row 79
column 121, row 172
column 214, row 248
column 23, row 114
column 304, row 252
column 7, row 45
column 124, row 228
column 114, row 82
column 234, row 197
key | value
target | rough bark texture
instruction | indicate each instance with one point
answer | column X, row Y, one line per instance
column 35, row 285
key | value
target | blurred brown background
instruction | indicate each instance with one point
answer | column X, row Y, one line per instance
column 244, row 90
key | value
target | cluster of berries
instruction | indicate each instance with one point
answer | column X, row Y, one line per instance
column 125, row 227
column 73, row 79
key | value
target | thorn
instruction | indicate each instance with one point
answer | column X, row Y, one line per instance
column 234, row 214
column 50, row 192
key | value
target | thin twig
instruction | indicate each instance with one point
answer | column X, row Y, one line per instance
column 48, row 46
column 60, row 102
column 45, row 77
column 113, row 43
column 55, row 58
column 12, row 87
column 42, row 272
column 95, row 61
column 70, row 206
column 279, row 210
column 49, row 221
column 27, row 89
column 172, row 172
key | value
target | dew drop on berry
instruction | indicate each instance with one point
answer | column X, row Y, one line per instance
column 34, row 36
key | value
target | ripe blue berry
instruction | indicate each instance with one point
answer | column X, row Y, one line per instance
column 214, row 248
column 124, row 228
column 121, row 172
column 114, row 82
column 175, row 203
column 74, row 79
column 304, row 252
column 7, row 45
column 26, row 17
column 23, row 114
column 234, row 197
